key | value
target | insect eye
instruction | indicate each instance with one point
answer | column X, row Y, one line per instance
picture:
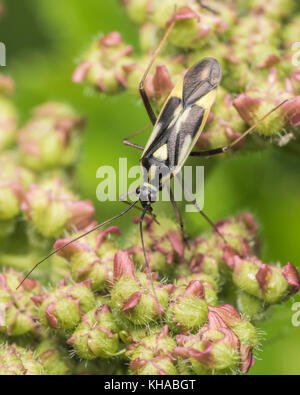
column 138, row 190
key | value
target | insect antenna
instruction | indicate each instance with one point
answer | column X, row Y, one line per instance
column 77, row 238
column 254, row 126
column 148, row 268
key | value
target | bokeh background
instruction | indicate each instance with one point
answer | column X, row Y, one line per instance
column 44, row 39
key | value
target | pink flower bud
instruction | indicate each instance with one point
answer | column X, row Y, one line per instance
column 292, row 276
column 102, row 65
column 123, row 265
column 52, row 208
column 82, row 213
column 50, row 137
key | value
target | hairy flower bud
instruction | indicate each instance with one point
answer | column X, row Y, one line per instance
column 52, row 208
column 14, row 181
column 102, row 64
column 214, row 351
column 18, row 313
column 132, row 293
column 52, row 357
column 188, row 310
column 137, row 9
column 193, row 23
column 91, row 258
column 258, row 100
column 15, row 360
column 165, row 245
column 152, row 355
column 96, row 335
column 63, row 307
column 208, row 285
column 212, row 255
column 250, row 306
column 223, row 345
column 51, row 137
column 267, row 282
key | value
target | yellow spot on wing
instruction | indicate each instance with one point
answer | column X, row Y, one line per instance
column 152, row 173
column 207, row 100
column 161, row 153
column 176, row 92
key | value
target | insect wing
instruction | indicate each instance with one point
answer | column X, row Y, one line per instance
column 184, row 115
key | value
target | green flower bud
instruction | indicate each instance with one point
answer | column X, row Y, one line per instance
column 133, row 295
column 152, row 355
column 209, row 284
column 250, row 306
column 156, row 366
column 14, row 180
column 96, row 335
column 215, row 351
column 136, row 334
column 32, row 365
column 92, row 258
column 52, row 357
column 52, row 208
column 18, row 313
column 229, row 316
column 10, row 361
column 9, row 203
column 259, row 100
column 165, row 246
column 102, row 64
column 149, row 37
column 15, row 360
column 51, row 137
column 137, row 10
column 62, row 308
column 189, row 310
column 267, row 282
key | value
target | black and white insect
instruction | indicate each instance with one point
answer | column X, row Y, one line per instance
column 175, row 133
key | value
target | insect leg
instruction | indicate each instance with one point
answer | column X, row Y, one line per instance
column 194, row 202
column 178, row 214
column 143, row 93
column 148, row 268
column 226, row 148
column 133, row 145
column 206, row 7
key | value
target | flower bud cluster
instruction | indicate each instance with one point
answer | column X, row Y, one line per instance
column 169, row 321
column 52, row 208
column 18, row 313
column 247, row 40
column 51, row 137
column 15, row 360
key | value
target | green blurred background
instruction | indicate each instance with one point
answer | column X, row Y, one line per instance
column 44, row 39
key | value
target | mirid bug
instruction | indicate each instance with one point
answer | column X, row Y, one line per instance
column 174, row 135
